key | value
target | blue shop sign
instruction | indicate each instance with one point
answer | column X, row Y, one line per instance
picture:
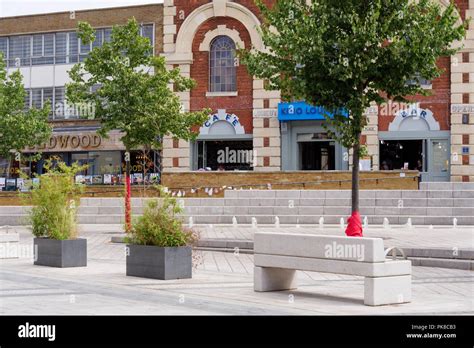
column 298, row 111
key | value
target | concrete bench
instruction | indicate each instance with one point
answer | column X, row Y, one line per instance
column 278, row 256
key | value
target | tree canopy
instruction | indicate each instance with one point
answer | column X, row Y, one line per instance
column 19, row 128
column 129, row 89
column 351, row 53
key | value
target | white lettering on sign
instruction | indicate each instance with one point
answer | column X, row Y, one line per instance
column 462, row 108
column 222, row 116
column 265, row 113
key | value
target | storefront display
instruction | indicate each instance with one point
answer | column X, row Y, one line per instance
column 305, row 143
column 414, row 141
column 223, row 145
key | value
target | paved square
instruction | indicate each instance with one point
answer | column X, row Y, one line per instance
column 222, row 285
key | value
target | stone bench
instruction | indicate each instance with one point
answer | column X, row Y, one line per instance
column 278, row 256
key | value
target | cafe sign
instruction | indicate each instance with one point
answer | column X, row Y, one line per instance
column 220, row 117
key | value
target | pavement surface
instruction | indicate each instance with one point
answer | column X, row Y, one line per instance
column 222, row 283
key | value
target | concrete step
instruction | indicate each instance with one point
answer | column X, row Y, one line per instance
column 467, row 265
column 457, row 186
column 440, row 253
column 467, row 192
column 304, row 219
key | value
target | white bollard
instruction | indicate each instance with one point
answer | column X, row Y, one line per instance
column 386, row 223
column 254, row 223
column 321, row 222
column 234, row 222
column 277, row 222
column 366, row 222
column 191, row 222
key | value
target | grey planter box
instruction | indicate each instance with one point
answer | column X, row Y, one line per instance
column 159, row 263
column 60, row 253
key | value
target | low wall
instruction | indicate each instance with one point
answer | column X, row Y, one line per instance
column 330, row 180
column 14, row 198
column 185, row 182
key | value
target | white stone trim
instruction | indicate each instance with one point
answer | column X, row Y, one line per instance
column 221, row 30
column 222, row 94
column 433, row 125
column 190, row 26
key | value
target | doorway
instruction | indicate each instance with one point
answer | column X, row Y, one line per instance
column 317, row 155
column 429, row 156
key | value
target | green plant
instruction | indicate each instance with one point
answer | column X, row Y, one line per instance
column 55, row 200
column 161, row 226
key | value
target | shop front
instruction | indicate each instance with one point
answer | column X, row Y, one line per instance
column 104, row 159
column 305, row 143
column 223, row 145
column 414, row 141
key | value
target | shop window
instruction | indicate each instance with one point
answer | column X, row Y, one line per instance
column 402, row 155
column 223, row 72
column 225, row 155
column 317, row 155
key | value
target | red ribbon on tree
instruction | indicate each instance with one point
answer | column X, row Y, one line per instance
column 354, row 227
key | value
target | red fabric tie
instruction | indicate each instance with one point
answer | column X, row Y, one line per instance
column 354, row 227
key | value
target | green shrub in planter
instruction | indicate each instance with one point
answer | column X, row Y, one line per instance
column 53, row 217
column 160, row 247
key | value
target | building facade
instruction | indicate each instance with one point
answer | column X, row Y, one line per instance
column 44, row 48
column 200, row 37
column 249, row 128
column 434, row 136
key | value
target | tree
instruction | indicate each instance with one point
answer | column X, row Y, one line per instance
column 348, row 54
column 128, row 88
column 19, row 128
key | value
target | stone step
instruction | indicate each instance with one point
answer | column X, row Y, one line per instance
column 305, row 202
column 334, row 218
column 440, row 253
column 467, row 265
column 457, row 186
column 456, row 207
column 375, row 194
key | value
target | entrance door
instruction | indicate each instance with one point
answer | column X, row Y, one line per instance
column 317, row 155
column 439, row 164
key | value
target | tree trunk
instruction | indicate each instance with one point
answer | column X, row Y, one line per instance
column 128, row 194
column 355, row 175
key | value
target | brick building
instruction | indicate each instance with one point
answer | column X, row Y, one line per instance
column 434, row 136
column 44, row 48
column 249, row 129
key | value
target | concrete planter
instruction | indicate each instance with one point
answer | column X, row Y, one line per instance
column 60, row 253
column 159, row 263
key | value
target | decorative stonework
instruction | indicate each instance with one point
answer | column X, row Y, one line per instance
column 178, row 51
column 462, row 63
column 221, row 30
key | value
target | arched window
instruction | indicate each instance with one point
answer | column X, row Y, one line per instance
column 223, row 72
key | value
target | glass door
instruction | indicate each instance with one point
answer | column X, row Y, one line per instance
column 438, row 166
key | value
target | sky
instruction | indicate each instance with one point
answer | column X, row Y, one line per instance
column 10, row 8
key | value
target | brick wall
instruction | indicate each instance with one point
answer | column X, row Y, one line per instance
column 241, row 105
column 438, row 102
